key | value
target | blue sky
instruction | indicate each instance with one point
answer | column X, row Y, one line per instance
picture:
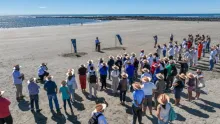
column 16, row 7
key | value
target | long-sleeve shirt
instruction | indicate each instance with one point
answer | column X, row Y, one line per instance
column 33, row 88
column 171, row 52
column 103, row 70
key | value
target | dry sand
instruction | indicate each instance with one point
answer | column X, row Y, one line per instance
column 31, row 46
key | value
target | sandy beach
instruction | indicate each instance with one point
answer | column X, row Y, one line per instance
column 29, row 47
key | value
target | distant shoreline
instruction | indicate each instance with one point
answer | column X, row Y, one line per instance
column 187, row 18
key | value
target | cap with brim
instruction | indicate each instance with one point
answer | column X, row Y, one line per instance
column 136, row 86
column 160, row 76
column 145, row 79
column 100, row 107
column 163, row 99
column 31, row 80
column 115, row 67
column 1, row 93
column 145, row 70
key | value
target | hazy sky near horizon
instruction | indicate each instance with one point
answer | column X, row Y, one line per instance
column 15, row 7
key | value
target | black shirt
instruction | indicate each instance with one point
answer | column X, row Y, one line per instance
column 82, row 71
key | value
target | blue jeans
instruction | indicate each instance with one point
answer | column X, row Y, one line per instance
column 161, row 122
column 72, row 91
column 164, row 53
column 207, row 46
column 131, row 80
column 211, row 62
column 203, row 53
column 34, row 100
column 53, row 97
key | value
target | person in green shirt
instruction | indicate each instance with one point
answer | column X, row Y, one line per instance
column 65, row 95
column 169, row 77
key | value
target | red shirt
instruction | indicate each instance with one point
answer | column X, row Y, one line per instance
column 4, row 107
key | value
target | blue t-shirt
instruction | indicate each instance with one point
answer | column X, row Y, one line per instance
column 138, row 95
column 130, row 71
column 50, row 86
column 64, row 91
column 103, row 70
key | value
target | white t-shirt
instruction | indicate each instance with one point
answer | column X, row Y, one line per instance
column 171, row 52
column 148, row 88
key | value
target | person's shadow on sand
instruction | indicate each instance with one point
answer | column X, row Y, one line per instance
column 59, row 118
column 78, row 98
column 215, row 105
column 79, row 106
column 72, row 118
column 24, row 105
column 180, row 117
column 39, row 118
column 194, row 112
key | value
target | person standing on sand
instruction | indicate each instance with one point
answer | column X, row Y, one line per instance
column 119, row 63
column 191, row 83
column 17, row 80
column 200, row 83
column 123, row 87
column 103, row 75
column 146, row 73
column 130, row 71
column 51, row 88
column 163, row 109
column 136, row 66
column 115, row 79
column 160, row 88
column 178, row 85
column 138, row 98
column 155, row 41
column 142, row 53
column 164, row 50
column 101, row 60
column 195, row 57
column 33, row 90
column 204, row 43
column 5, row 115
column 98, row 115
column 158, row 50
column 171, row 52
column 200, row 47
column 148, row 89
column 82, row 77
column 170, row 68
column 90, row 63
column 111, row 62
column 65, row 96
column 211, row 59
column 93, row 80
column 171, row 37
column 97, row 43
column 71, row 84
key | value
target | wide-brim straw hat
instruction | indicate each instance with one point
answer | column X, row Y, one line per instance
column 115, row 67
column 133, row 54
column 90, row 61
column 1, row 93
column 145, row 79
column 145, row 70
column 128, row 62
column 16, row 66
column 124, row 75
column 101, row 59
column 183, row 76
column 136, row 86
column 119, row 56
column 160, row 76
column 103, row 64
column 163, row 99
column 166, row 59
column 126, row 54
column 190, row 75
column 82, row 65
column 150, row 54
column 70, row 72
column 100, row 107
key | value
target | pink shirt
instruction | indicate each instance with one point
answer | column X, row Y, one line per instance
column 4, row 107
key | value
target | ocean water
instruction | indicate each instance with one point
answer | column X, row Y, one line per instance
column 33, row 21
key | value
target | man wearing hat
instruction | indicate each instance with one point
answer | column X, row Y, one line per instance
column 171, row 68
column 17, row 80
column 93, row 80
column 97, row 43
column 211, row 59
column 148, row 89
column 82, row 76
column 142, row 53
column 33, row 90
column 119, row 63
column 5, row 115
column 51, row 88
column 138, row 98
column 103, row 75
column 171, row 52
column 90, row 63
column 115, row 78
column 98, row 113
column 111, row 62
column 146, row 73
column 160, row 87
column 42, row 71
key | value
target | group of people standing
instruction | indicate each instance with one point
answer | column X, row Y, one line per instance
column 158, row 75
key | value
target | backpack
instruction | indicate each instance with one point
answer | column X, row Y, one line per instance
column 172, row 114
column 173, row 71
column 92, row 77
column 94, row 119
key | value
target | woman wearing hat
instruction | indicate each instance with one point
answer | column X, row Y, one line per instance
column 136, row 66
column 111, row 62
column 158, row 50
column 160, row 87
column 146, row 64
column 5, row 115
column 150, row 58
column 142, row 53
column 178, row 85
column 101, row 60
column 123, row 87
column 82, row 76
column 71, row 83
column 163, row 109
column 191, row 83
column 115, row 78
column 65, row 95
column 98, row 113
column 200, row 83
column 183, row 66
column 164, row 50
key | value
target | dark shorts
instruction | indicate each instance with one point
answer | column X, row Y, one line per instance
column 177, row 93
column 148, row 101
